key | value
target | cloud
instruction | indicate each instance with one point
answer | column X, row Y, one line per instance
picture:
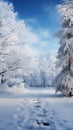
column 44, row 33
column 45, row 43
column 40, row 36
column 31, row 21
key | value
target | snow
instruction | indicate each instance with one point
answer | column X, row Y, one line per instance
column 35, row 109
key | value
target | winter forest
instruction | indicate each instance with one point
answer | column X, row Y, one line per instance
column 36, row 65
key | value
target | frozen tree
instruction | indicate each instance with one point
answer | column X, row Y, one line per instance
column 12, row 37
column 64, row 81
column 8, row 36
column 47, row 68
column 43, row 78
column 43, row 71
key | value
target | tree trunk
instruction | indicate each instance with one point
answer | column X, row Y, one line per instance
column 2, row 79
column 69, row 63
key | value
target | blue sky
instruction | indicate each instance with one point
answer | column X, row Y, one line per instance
column 42, row 17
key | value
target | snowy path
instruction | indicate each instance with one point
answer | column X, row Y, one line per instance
column 35, row 115
column 42, row 110
column 38, row 114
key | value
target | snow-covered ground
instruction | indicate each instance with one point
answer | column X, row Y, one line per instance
column 25, row 109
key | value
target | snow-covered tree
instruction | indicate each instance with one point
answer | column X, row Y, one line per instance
column 8, row 36
column 64, row 81
column 47, row 68
column 43, row 71
column 13, row 33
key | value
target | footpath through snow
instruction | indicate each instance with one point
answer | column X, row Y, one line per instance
column 35, row 110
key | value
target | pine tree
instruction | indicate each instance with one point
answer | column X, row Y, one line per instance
column 64, row 80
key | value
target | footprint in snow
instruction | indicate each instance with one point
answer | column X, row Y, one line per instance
column 44, row 123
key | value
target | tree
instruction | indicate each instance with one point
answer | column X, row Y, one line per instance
column 64, row 81
column 47, row 68
column 8, row 39
column 42, row 71
column 11, row 30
